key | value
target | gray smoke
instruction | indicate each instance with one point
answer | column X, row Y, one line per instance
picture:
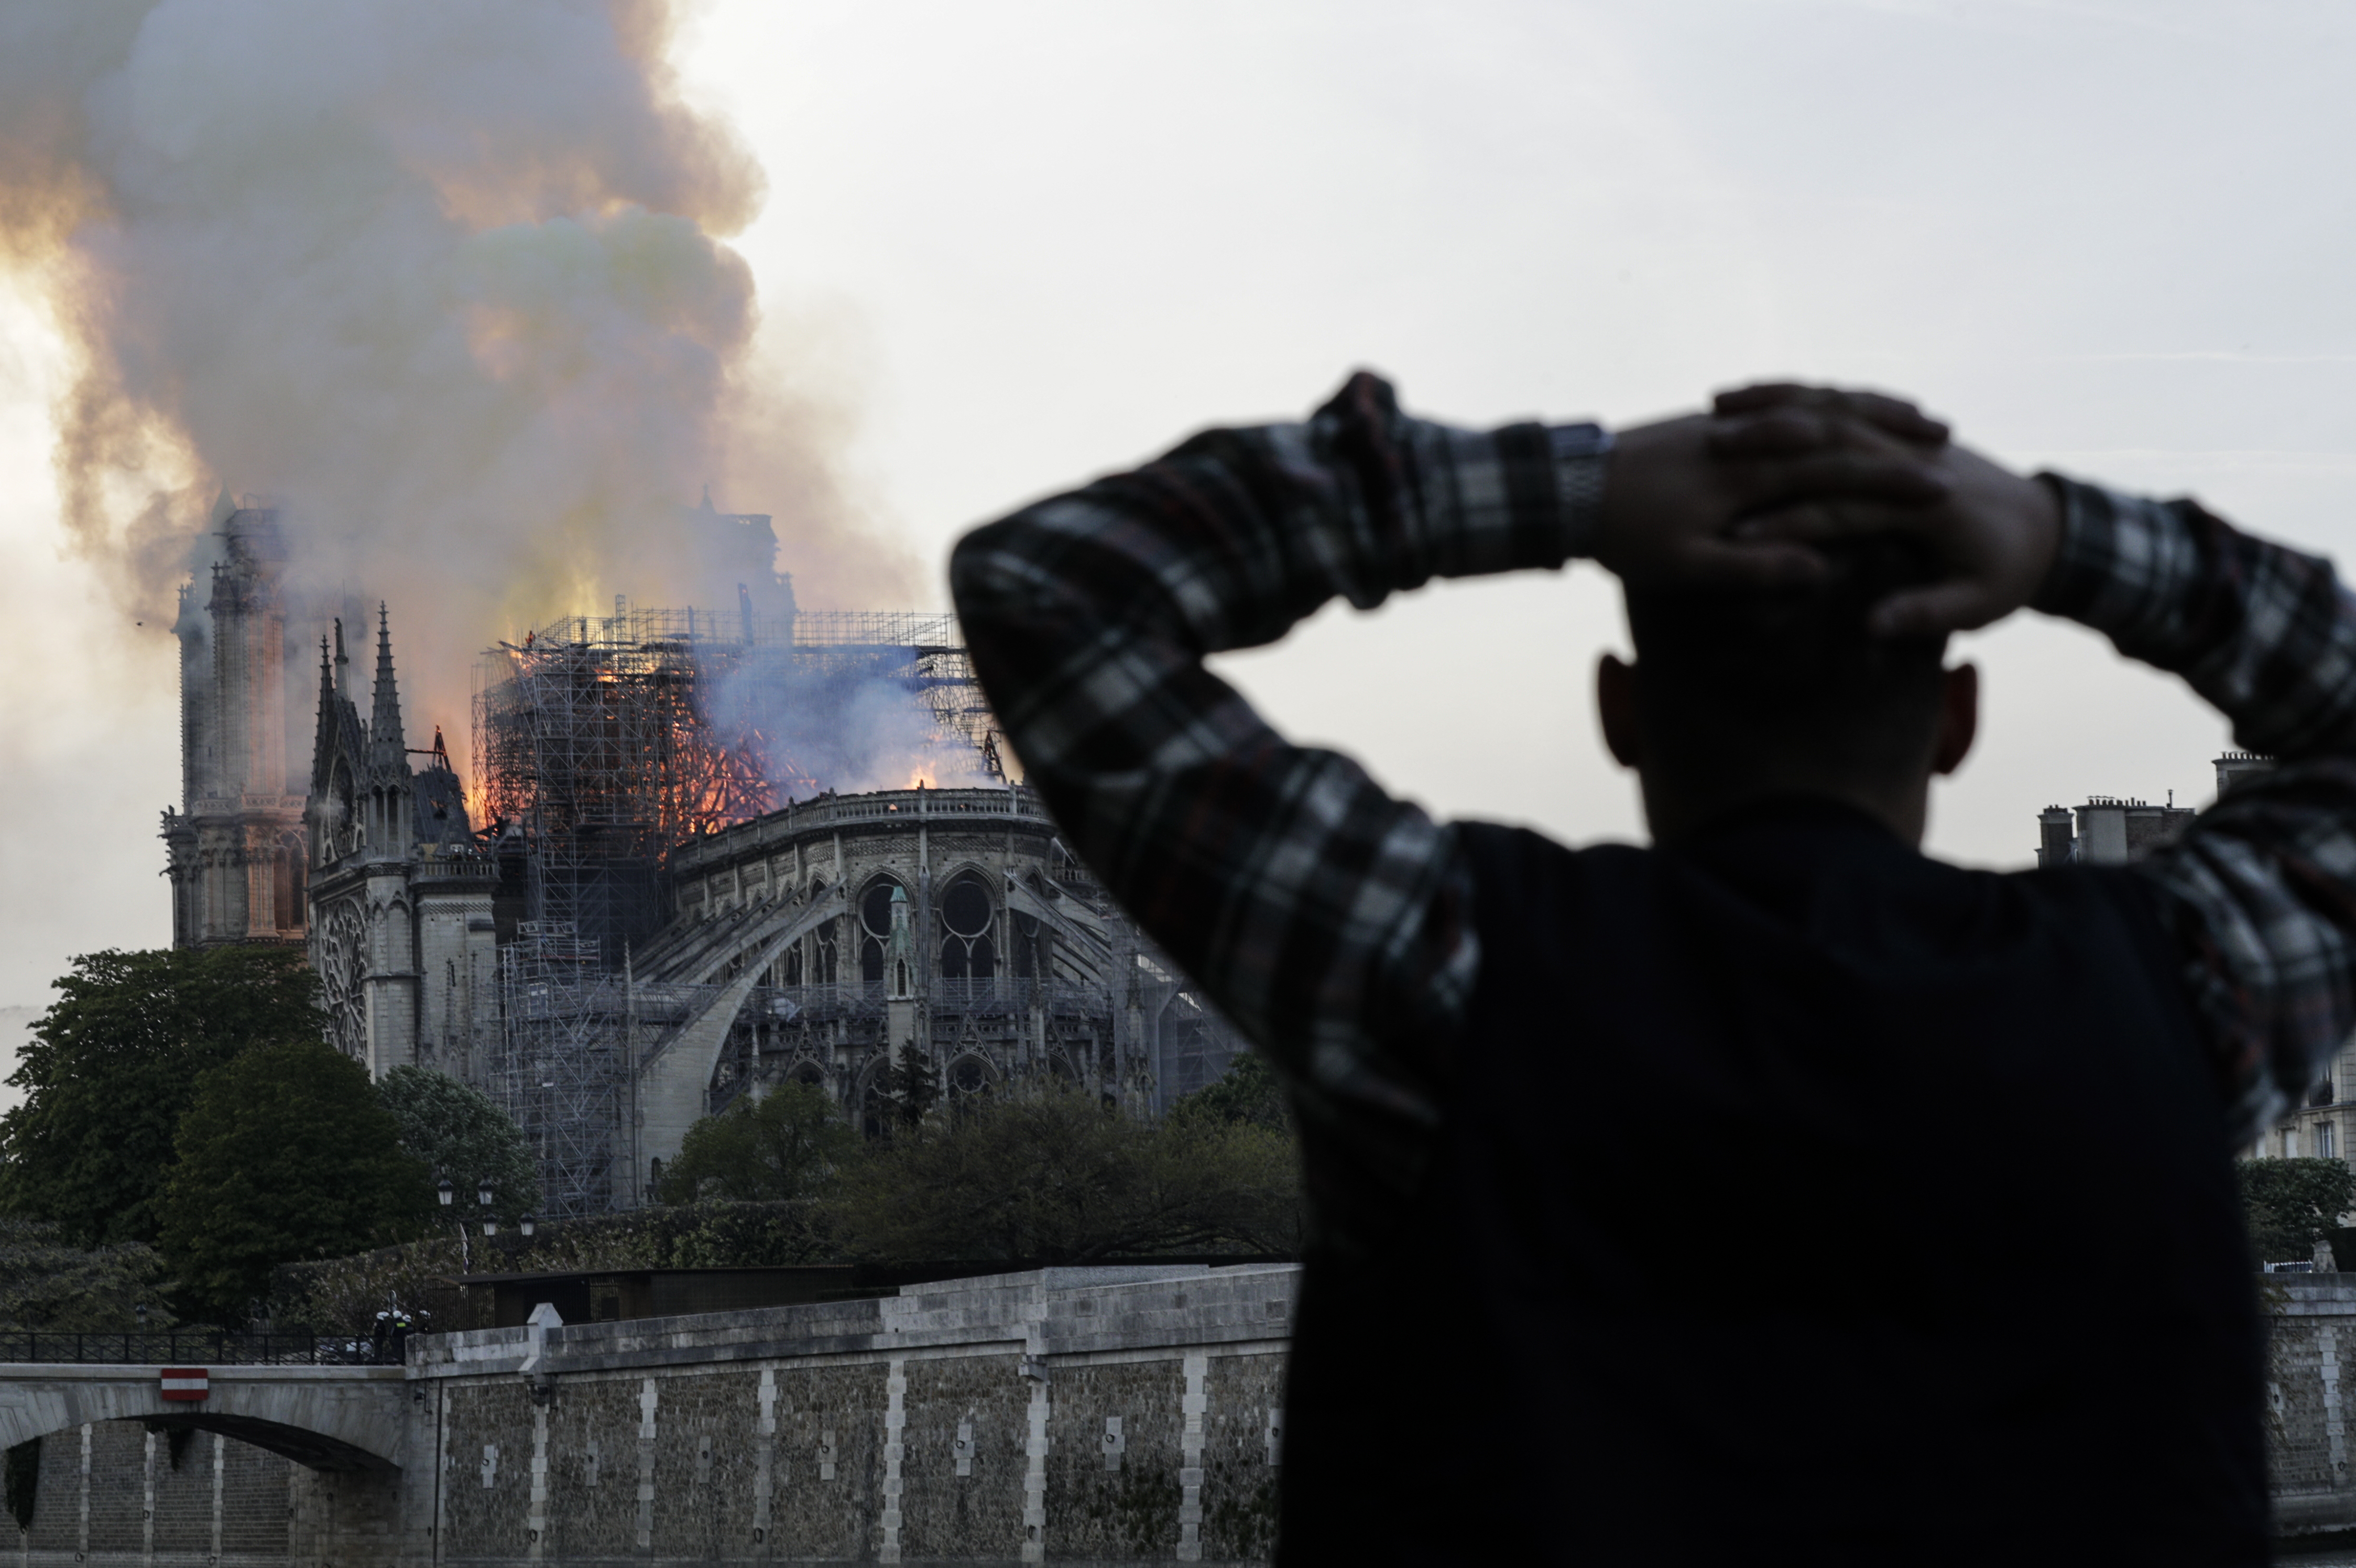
column 446, row 281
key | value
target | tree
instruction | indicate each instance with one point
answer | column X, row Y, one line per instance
column 286, row 1153
column 786, row 1146
column 1248, row 1092
column 49, row 1285
column 458, row 1132
column 2290, row 1204
column 912, row 1084
column 113, row 1064
column 1048, row 1174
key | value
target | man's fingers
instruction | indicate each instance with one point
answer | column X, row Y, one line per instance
column 1814, row 521
column 1772, row 432
column 1898, row 416
column 1833, row 475
column 1742, row 563
column 1894, row 414
column 1763, row 395
column 1955, row 604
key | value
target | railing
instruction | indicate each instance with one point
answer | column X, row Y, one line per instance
column 189, row 1347
column 883, row 805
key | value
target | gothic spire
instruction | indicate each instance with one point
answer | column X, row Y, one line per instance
column 387, row 747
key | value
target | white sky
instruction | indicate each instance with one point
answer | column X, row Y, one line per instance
column 1039, row 238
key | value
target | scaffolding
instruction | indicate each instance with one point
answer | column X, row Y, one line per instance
column 561, row 1067
column 603, row 743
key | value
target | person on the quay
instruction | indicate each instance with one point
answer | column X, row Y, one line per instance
column 1775, row 1193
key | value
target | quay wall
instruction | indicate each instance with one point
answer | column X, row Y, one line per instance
column 1060, row 1416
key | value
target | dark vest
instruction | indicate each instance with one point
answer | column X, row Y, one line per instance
column 1802, row 1199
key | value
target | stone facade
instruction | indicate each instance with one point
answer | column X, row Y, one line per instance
column 235, row 844
column 828, row 938
column 401, row 934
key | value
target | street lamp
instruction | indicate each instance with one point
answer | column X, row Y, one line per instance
column 526, row 1224
column 447, row 1193
column 483, row 1196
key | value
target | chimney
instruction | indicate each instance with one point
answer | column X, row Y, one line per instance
column 2055, row 841
column 2235, row 765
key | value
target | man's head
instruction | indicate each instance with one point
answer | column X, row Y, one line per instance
column 1740, row 693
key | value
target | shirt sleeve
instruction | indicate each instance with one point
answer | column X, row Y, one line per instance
column 1328, row 921
column 2261, row 891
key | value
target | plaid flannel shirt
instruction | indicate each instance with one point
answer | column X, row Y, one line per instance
column 1331, row 922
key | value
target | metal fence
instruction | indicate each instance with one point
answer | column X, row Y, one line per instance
column 192, row 1348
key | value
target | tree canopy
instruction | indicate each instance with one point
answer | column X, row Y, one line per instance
column 1051, row 1176
column 2290, row 1204
column 286, row 1153
column 113, row 1064
column 45, row 1282
column 455, row 1131
column 1248, row 1092
column 784, row 1147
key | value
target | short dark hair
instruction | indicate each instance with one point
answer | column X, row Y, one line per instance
column 1770, row 680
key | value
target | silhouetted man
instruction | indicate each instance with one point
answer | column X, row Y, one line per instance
column 1738, row 1199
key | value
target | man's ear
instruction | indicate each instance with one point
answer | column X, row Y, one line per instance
column 1615, row 704
column 1959, row 717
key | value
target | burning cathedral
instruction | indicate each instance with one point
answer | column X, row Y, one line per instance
column 675, row 882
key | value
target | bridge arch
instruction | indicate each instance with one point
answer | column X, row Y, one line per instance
column 326, row 1418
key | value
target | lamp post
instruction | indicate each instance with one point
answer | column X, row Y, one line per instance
column 447, row 1194
column 483, row 1196
column 528, row 1225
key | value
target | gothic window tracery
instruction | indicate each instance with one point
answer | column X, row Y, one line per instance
column 967, row 918
column 343, row 950
column 875, row 928
column 970, row 1075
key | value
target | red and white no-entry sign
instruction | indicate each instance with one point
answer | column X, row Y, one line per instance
column 186, row 1383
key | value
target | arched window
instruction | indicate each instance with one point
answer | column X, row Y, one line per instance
column 875, row 928
column 969, row 1076
column 286, row 893
column 967, row 951
column 792, row 974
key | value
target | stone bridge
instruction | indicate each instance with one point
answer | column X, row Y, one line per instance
column 326, row 1418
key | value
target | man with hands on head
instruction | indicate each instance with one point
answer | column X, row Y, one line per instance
column 1733, row 1196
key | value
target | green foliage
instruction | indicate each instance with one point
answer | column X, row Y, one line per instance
column 1050, row 1176
column 2290, row 1203
column 456, row 1132
column 345, row 1294
column 286, row 1153
column 46, row 1283
column 113, row 1065
column 912, row 1083
column 1248, row 1092
column 785, row 1147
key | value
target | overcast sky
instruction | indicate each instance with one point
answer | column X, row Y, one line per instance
column 1026, row 241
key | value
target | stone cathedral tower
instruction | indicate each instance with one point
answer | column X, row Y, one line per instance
column 403, row 933
column 236, row 843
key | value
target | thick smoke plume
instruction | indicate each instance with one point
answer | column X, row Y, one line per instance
column 446, row 281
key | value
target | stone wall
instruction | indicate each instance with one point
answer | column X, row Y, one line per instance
column 1084, row 1415
column 113, row 1492
column 1074, row 1416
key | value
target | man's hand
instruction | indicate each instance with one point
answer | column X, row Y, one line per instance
column 1995, row 532
column 1676, row 487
